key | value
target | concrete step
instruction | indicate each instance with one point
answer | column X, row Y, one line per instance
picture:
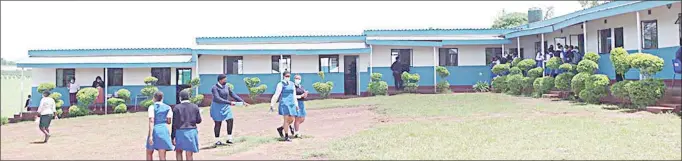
column 659, row 109
column 549, row 95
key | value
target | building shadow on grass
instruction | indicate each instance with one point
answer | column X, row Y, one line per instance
column 38, row 142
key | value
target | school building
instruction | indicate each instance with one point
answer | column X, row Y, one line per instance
column 647, row 26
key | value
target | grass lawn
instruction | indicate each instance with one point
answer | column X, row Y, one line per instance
column 12, row 100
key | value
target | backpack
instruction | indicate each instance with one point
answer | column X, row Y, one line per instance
column 677, row 66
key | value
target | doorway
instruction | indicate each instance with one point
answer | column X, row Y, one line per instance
column 581, row 43
column 183, row 76
column 350, row 76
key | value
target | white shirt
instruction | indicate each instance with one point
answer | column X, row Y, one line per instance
column 150, row 112
column 278, row 91
column 538, row 56
column 73, row 87
column 47, row 106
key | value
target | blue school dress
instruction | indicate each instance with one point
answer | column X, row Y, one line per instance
column 220, row 105
column 221, row 111
column 187, row 140
column 301, row 105
column 287, row 106
column 160, row 134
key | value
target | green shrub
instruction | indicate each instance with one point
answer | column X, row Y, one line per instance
column 542, row 85
column 595, row 88
column 516, row 62
column 526, row 64
column 443, row 86
column 527, row 87
column 620, row 60
column 646, row 63
column 515, row 70
column 86, row 96
column 58, row 102
column 121, row 108
column 254, row 88
column 499, row 84
column 514, row 84
column 442, row 71
column 594, row 57
column 149, row 91
column 563, row 81
column 567, row 67
column 75, row 111
column 59, row 112
column 113, row 102
column 554, row 63
column 195, row 82
column 645, row 92
column 197, row 99
column 578, row 82
column 376, row 86
column 146, row 103
column 410, row 82
column 230, row 86
column 323, row 88
column 500, row 68
column 481, row 86
column 618, row 89
column 150, row 80
column 4, row 120
column 587, row 66
column 45, row 87
column 123, row 94
column 535, row 72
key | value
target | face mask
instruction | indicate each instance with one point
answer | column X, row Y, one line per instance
column 223, row 83
column 287, row 78
column 297, row 81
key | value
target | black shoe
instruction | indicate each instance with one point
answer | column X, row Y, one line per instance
column 291, row 129
column 229, row 142
column 285, row 138
column 280, row 131
column 219, row 143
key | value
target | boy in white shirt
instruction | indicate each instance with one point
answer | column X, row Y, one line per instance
column 73, row 89
column 47, row 110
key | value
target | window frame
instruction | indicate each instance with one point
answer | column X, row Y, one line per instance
column 445, row 56
column 493, row 49
column 162, row 81
column 655, row 43
column 64, row 80
column 521, row 55
column 622, row 37
column 605, row 45
column 279, row 62
column 329, row 58
column 226, row 65
column 111, row 76
column 411, row 52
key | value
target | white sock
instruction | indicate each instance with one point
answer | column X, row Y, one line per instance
column 229, row 137
column 217, row 139
column 298, row 133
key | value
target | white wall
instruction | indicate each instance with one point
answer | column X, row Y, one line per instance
column 473, row 55
column 85, row 76
column 135, row 76
column 421, row 56
column 43, row 75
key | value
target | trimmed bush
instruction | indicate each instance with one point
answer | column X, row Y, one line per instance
column 60, row 112
column 121, row 108
column 515, row 70
column 150, row 80
column 526, row 64
column 376, row 86
column 595, row 88
column 58, row 102
column 86, row 96
column 587, row 66
column 594, row 57
column 481, row 86
column 45, row 87
column 4, row 120
column 410, row 81
column 146, row 103
column 123, row 94
column 542, row 85
column 563, row 81
column 499, row 84
column 554, row 63
column 323, row 88
column 516, row 62
column 514, row 84
column 149, row 91
column 578, row 82
column 645, row 92
column 618, row 89
column 535, row 72
column 197, row 99
column 567, row 67
column 620, row 60
column 75, row 111
column 527, row 88
column 113, row 102
column 443, row 85
column 252, row 83
column 647, row 64
column 500, row 69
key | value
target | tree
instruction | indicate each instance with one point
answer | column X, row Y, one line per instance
column 509, row 20
column 589, row 4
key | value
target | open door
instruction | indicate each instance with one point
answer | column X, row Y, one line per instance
column 350, row 75
column 182, row 78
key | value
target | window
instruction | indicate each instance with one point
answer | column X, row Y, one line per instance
column 163, row 74
column 513, row 52
column 649, row 34
column 64, row 75
column 405, row 55
column 492, row 52
column 233, row 65
column 329, row 63
column 284, row 63
column 115, row 77
column 447, row 56
column 604, row 41
column 537, row 47
column 618, row 35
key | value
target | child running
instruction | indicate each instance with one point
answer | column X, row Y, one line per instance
column 288, row 105
column 186, row 116
column 221, row 109
column 158, row 136
column 47, row 111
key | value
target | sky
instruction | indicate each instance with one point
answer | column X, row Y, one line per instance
column 128, row 24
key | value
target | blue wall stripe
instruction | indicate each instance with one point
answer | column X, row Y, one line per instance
column 168, row 91
column 476, row 42
column 270, row 80
column 282, row 51
column 404, row 43
column 667, row 54
column 280, row 39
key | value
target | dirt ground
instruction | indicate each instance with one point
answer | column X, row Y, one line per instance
column 123, row 136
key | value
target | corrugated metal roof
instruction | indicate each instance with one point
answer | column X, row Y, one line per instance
column 432, row 29
column 107, row 61
column 276, row 36
column 110, row 51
